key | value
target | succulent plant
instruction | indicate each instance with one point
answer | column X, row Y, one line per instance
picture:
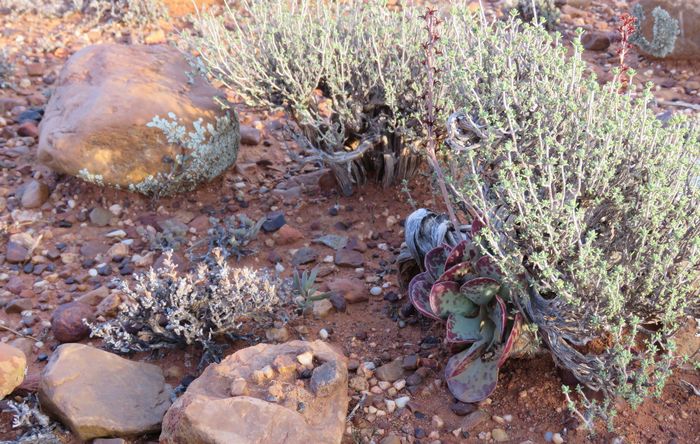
column 462, row 287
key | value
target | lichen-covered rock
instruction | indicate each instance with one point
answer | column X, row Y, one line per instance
column 256, row 396
column 137, row 117
column 676, row 41
column 13, row 364
column 99, row 394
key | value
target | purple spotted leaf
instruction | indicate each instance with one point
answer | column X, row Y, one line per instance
column 485, row 266
column 446, row 299
column 477, row 225
column 469, row 377
column 480, row 290
column 435, row 261
column 465, row 251
column 512, row 338
column 460, row 272
column 462, row 329
column 497, row 314
column 419, row 294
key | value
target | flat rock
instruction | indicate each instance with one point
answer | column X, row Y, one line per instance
column 13, row 364
column 352, row 289
column 215, row 408
column 96, row 122
column 304, row 256
column 349, row 258
column 99, row 394
column 393, row 371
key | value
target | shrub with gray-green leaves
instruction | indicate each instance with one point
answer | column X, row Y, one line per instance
column 350, row 75
column 130, row 12
column 167, row 309
column 587, row 197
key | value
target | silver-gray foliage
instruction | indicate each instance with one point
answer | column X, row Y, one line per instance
column 349, row 73
column 665, row 32
column 130, row 12
column 167, row 308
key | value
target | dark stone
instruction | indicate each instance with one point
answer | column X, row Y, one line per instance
column 67, row 322
column 596, row 41
column 414, row 380
column 104, row 270
column 420, row 433
column 391, row 297
column 333, row 211
column 338, row 302
column 326, row 377
column 28, row 267
column 410, row 362
column 462, row 408
column 30, row 115
column 274, row 222
column 304, row 256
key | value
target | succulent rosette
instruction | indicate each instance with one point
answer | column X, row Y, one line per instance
column 463, row 287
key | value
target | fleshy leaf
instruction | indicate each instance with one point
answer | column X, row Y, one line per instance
column 419, row 293
column 435, row 261
column 465, row 251
column 498, row 315
column 485, row 266
column 481, row 290
column 469, row 377
column 446, row 299
column 512, row 337
column 459, row 272
column 476, row 226
column 461, row 329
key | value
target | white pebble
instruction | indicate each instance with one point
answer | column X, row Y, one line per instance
column 92, row 272
column 279, row 268
column 115, row 209
column 402, row 401
column 376, row 291
column 306, row 359
column 323, row 334
column 116, row 233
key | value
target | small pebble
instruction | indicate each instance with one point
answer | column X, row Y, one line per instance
column 376, row 291
column 323, row 334
column 402, row 401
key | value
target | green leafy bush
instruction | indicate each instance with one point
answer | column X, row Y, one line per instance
column 586, row 194
column 350, row 75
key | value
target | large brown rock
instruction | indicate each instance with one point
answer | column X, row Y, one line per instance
column 687, row 12
column 96, row 122
column 255, row 396
column 99, row 394
column 13, row 365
